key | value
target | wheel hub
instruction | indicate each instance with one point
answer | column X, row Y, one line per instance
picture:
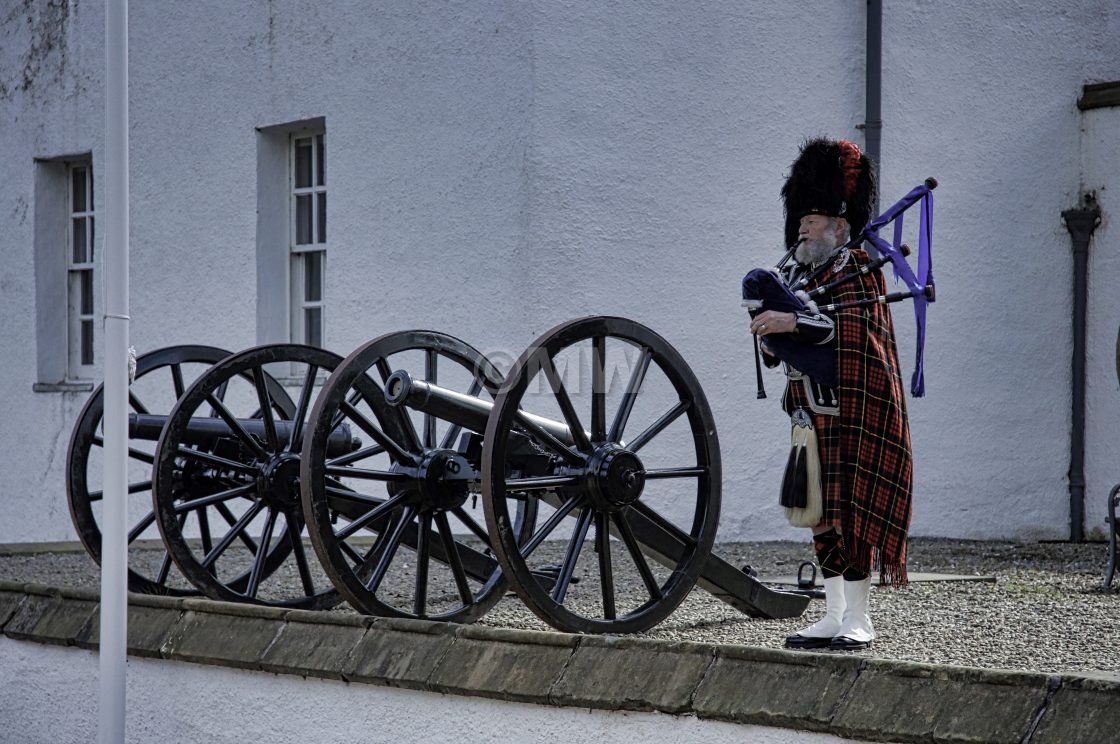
column 616, row 478
column 441, row 480
column 278, row 481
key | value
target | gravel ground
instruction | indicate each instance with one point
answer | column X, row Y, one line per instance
column 1046, row 611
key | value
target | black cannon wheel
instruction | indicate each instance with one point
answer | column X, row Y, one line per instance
column 161, row 378
column 387, row 529
column 644, row 480
column 228, row 504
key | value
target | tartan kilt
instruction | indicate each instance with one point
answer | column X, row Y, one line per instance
column 866, row 462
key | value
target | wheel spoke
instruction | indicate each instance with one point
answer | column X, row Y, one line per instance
column 142, row 525
column 547, row 528
column 384, row 369
column 453, row 432
column 352, row 496
column 364, row 474
column 138, row 487
column 350, row 553
column 237, row 528
column 265, row 402
column 627, row 405
column 135, row 454
column 221, row 462
column 598, row 389
column 472, row 525
column 134, row 401
column 454, row 560
column 420, row 598
column 663, row 523
column 301, row 556
column 371, row 516
column 395, row 450
column 675, row 473
column 385, row 556
column 546, row 439
column 606, row 570
column 430, row 361
column 255, row 574
column 361, row 454
column 164, row 569
column 237, row 429
column 579, row 436
column 238, row 525
column 301, row 407
column 657, row 426
column 214, row 498
column 571, row 555
column 339, row 416
column 636, row 555
column 204, row 531
column 540, row 482
column 177, row 380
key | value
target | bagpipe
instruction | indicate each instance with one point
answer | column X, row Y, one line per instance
column 764, row 289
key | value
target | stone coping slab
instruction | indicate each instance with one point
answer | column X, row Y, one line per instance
column 842, row 694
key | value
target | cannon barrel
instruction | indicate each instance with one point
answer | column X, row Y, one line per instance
column 465, row 410
column 203, row 431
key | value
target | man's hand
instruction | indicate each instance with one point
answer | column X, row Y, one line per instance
column 772, row 321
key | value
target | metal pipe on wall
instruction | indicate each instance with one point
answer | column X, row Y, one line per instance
column 1081, row 222
column 873, row 123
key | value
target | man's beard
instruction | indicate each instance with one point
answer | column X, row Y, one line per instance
column 813, row 252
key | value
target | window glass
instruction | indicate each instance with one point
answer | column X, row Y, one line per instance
column 321, row 162
column 79, row 240
column 303, row 219
column 87, row 342
column 79, row 189
column 85, row 292
column 322, row 237
column 303, row 163
column 313, row 276
column 313, row 330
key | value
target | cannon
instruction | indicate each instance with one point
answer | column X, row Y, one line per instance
column 583, row 487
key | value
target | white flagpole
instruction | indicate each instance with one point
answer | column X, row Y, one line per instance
column 114, row 529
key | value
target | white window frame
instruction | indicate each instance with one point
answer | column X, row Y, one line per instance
column 302, row 302
column 81, row 327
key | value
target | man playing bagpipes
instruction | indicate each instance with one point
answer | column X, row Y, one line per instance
column 824, row 316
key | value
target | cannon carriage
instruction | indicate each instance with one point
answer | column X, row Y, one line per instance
column 427, row 484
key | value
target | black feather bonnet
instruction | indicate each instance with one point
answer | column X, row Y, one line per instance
column 829, row 177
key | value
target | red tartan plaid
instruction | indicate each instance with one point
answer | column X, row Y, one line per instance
column 866, row 467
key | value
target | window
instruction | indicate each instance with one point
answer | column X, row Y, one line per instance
column 308, row 236
column 80, row 260
column 66, row 290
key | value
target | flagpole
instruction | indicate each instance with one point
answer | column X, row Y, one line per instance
column 114, row 528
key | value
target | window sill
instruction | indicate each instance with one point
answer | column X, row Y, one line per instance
column 62, row 387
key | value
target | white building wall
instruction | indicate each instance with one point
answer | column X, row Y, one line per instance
column 498, row 167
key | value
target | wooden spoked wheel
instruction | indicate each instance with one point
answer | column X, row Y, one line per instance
column 161, row 378
column 636, row 474
column 396, row 524
column 226, row 479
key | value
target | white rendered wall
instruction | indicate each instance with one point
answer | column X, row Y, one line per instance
column 49, row 695
column 498, row 167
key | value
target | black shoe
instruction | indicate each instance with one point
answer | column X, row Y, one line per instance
column 799, row 641
column 844, row 643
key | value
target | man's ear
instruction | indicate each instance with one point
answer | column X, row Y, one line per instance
column 843, row 230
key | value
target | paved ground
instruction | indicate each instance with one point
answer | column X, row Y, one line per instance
column 1045, row 612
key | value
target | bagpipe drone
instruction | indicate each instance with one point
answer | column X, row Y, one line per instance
column 764, row 289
